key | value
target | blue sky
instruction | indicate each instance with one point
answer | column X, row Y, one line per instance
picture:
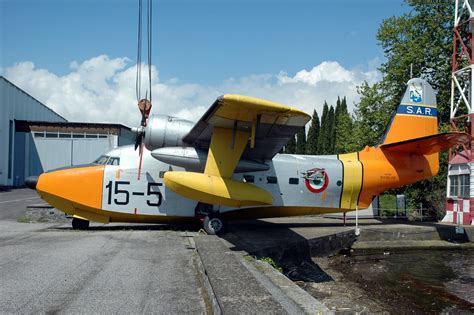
column 78, row 56
column 197, row 41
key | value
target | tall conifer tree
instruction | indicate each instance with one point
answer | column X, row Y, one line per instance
column 301, row 142
column 290, row 147
column 331, row 131
column 322, row 137
column 313, row 135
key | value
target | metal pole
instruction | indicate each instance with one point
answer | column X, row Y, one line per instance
column 357, row 231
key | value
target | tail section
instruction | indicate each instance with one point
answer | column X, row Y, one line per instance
column 416, row 115
column 409, row 149
column 429, row 144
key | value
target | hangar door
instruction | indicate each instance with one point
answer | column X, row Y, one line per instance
column 56, row 150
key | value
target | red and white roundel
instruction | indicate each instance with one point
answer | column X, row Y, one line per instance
column 316, row 180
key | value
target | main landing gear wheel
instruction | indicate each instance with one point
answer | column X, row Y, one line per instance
column 79, row 224
column 214, row 225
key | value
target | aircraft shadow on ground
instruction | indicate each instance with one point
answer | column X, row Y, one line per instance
column 137, row 227
column 289, row 250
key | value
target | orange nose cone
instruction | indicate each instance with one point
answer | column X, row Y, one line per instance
column 72, row 188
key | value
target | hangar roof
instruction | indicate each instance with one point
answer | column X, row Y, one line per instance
column 79, row 127
column 2, row 78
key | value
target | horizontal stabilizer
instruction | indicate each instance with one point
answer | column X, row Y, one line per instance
column 429, row 144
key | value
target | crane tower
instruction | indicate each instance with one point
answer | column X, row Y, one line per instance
column 460, row 185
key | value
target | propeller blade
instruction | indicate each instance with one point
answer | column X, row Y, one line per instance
column 138, row 140
column 140, row 163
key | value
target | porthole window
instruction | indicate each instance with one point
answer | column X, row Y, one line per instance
column 249, row 178
column 294, row 181
column 272, row 180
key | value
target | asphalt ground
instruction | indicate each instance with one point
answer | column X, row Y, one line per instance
column 50, row 268
column 13, row 202
column 129, row 268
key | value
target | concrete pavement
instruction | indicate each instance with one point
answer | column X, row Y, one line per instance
column 49, row 270
column 13, row 203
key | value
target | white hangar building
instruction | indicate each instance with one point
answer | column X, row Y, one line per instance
column 35, row 139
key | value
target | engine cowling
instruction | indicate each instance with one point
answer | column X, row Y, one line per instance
column 166, row 131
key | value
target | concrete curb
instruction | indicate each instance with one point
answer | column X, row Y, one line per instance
column 292, row 292
column 240, row 285
column 205, row 283
column 409, row 245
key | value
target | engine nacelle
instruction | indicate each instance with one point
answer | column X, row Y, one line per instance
column 165, row 131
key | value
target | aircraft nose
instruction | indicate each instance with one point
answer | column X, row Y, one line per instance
column 31, row 182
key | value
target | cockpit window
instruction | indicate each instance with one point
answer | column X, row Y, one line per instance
column 101, row 160
column 113, row 161
column 107, row 160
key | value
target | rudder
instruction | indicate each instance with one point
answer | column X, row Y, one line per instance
column 416, row 115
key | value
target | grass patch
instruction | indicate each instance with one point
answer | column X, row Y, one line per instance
column 268, row 260
column 272, row 263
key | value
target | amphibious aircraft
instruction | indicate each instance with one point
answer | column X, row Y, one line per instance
column 227, row 166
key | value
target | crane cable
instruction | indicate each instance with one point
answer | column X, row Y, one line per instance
column 138, row 80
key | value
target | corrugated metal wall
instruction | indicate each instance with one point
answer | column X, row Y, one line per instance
column 16, row 104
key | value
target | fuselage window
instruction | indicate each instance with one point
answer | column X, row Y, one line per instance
column 294, row 181
column 249, row 178
column 272, row 180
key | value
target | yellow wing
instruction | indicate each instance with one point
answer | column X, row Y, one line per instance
column 234, row 127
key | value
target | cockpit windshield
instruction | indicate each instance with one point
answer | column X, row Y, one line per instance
column 107, row 160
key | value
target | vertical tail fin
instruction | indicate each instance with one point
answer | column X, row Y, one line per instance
column 416, row 115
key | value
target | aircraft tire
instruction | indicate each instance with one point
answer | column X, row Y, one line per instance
column 79, row 224
column 214, row 225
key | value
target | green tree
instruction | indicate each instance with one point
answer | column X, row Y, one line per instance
column 345, row 141
column 331, row 131
column 372, row 115
column 290, row 147
column 322, row 137
column 301, row 141
column 313, row 135
column 421, row 38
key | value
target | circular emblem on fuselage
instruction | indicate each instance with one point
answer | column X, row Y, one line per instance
column 316, row 180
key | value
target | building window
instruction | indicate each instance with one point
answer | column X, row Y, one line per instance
column 459, row 185
column 294, row 181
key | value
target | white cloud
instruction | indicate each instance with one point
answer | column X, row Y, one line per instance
column 103, row 90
